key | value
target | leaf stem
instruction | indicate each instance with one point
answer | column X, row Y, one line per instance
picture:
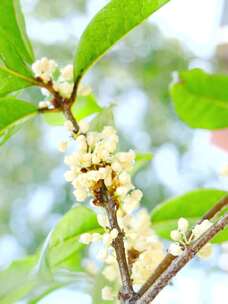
column 75, row 91
column 66, row 108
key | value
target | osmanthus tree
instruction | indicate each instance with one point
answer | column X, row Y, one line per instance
column 135, row 263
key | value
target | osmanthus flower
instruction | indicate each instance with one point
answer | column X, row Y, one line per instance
column 107, row 294
column 44, row 69
column 97, row 159
column 61, row 79
column 183, row 238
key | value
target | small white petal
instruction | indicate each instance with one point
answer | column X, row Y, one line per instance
column 206, row 251
column 102, row 220
column 67, row 72
column 175, row 235
column 85, row 238
column 96, row 237
column 44, row 104
column 183, row 225
column 107, row 293
column 84, row 126
column 80, row 194
column 69, row 126
column 175, row 249
column 62, row 146
column 114, row 233
column 69, row 176
column 199, row 229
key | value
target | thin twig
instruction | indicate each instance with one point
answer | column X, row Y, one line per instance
column 59, row 103
column 127, row 294
column 66, row 108
column 215, row 210
column 182, row 260
column 49, row 87
column 169, row 258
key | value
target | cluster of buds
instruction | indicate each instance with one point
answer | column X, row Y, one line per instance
column 183, row 238
column 44, row 69
column 96, row 160
column 97, row 163
column 144, row 250
column 61, row 80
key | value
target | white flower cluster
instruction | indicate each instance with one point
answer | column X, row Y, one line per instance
column 182, row 238
column 95, row 160
column 142, row 241
column 143, row 248
column 61, row 79
column 44, row 69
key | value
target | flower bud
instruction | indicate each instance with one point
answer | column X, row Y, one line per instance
column 85, row 238
column 175, row 235
column 107, row 294
column 69, row 126
column 62, row 146
column 183, row 225
column 175, row 249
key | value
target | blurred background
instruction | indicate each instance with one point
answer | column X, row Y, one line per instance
column 136, row 76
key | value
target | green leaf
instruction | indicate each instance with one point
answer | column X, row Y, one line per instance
column 21, row 280
column 57, row 265
column 11, row 81
column 141, row 161
column 14, row 111
column 201, row 99
column 15, row 49
column 104, row 118
column 83, row 107
column 13, row 25
column 8, row 133
column 192, row 206
column 61, row 278
column 17, row 280
column 111, row 24
column 42, row 294
column 11, row 57
column 65, row 237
